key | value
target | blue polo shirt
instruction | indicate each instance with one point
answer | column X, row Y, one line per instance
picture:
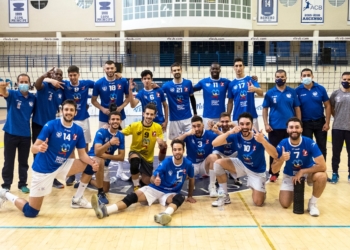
column 281, row 106
column 19, row 111
column 311, row 101
column 47, row 104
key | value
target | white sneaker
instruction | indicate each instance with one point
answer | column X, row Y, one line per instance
column 313, row 210
column 162, row 218
column 212, row 192
column 80, row 203
column 3, row 198
column 121, row 175
column 225, row 200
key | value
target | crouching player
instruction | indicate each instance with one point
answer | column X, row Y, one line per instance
column 166, row 184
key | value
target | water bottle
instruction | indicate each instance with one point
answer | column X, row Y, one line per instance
column 112, row 179
column 221, row 198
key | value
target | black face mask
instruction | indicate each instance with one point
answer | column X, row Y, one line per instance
column 345, row 85
column 279, row 82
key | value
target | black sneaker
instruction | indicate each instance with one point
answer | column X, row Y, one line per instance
column 57, row 184
column 70, row 180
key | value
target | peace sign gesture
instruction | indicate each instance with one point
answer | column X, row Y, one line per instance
column 258, row 135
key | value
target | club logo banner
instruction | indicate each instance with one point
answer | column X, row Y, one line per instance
column 312, row 11
column 267, row 12
column 349, row 12
column 18, row 13
column 104, row 13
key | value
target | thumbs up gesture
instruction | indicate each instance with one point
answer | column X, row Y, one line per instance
column 251, row 87
column 43, row 146
column 3, row 85
column 285, row 155
column 157, row 180
column 114, row 141
column 95, row 165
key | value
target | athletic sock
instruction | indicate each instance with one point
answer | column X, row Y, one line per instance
column 81, row 189
column 11, row 197
column 112, row 209
column 100, row 190
column 169, row 210
column 223, row 186
column 313, row 199
column 212, row 177
column 136, row 182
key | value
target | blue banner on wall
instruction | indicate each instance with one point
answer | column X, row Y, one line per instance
column 18, row 13
column 267, row 12
column 104, row 13
column 312, row 11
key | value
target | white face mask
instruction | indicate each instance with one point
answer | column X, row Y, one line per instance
column 306, row 80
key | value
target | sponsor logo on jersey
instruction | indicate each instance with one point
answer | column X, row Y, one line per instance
column 119, row 86
column 158, row 94
column 297, row 164
column 185, row 89
column 77, row 97
column 75, row 137
column 64, row 149
column 305, row 152
column 215, row 93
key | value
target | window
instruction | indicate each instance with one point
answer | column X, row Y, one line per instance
column 152, row 8
column 209, row 8
column 84, row 4
column 280, row 49
column 236, row 8
column 180, row 7
column 223, row 8
column 306, row 48
column 166, row 8
column 246, row 9
column 39, row 4
column 336, row 3
column 195, row 8
column 288, row 3
column 128, row 9
column 338, row 49
column 139, row 9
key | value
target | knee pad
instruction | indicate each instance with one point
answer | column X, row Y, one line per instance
column 130, row 199
column 178, row 199
column 106, row 174
column 134, row 165
column 218, row 169
column 29, row 211
column 88, row 170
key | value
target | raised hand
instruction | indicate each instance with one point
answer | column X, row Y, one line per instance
column 235, row 130
column 157, row 180
column 3, row 85
column 132, row 84
column 259, row 136
column 251, row 87
column 285, row 155
column 57, row 84
column 43, row 146
column 191, row 132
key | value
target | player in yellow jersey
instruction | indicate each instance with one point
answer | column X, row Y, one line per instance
column 145, row 134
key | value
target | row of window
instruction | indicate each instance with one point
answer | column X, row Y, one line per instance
column 41, row 4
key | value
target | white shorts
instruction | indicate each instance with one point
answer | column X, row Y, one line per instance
column 153, row 194
column 199, row 168
column 85, row 124
column 177, row 128
column 255, row 123
column 101, row 124
column 234, row 155
column 287, row 183
column 205, row 121
column 41, row 183
column 255, row 180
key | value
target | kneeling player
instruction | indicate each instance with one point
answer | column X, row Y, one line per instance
column 166, row 184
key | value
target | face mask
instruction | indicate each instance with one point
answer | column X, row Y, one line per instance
column 279, row 82
column 345, row 85
column 23, row 87
column 306, row 80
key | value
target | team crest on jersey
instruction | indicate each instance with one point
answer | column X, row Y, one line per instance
column 193, row 141
column 222, row 84
column 289, row 95
column 158, row 94
column 154, row 133
column 235, row 87
column 64, row 149
column 75, row 137
column 138, row 133
column 243, row 94
column 112, row 97
column 207, row 84
column 184, row 171
column 215, row 93
column 200, row 153
column 119, row 86
column 172, row 89
column 305, row 152
column 145, row 97
column 179, row 99
column 60, row 96
column 170, row 172
column 58, row 134
column 31, row 104
column 297, row 164
column 77, row 97
column 239, row 145
column 104, row 88
column 185, row 89
column 314, row 93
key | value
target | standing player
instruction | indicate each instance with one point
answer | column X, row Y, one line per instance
column 166, row 183
column 250, row 160
column 303, row 159
column 111, row 92
column 149, row 95
column 214, row 94
column 55, row 143
column 145, row 134
column 179, row 93
column 284, row 104
column 242, row 92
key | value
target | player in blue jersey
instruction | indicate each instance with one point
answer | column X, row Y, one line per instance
column 284, row 104
column 179, row 93
column 20, row 105
column 48, row 100
column 111, row 91
column 55, row 143
column 199, row 146
column 166, row 183
column 214, row 94
column 303, row 158
column 250, row 145
column 242, row 92
column 150, row 95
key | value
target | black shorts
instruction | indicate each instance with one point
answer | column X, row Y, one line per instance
column 145, row 166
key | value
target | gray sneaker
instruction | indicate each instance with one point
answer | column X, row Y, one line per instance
column 3, row 198
column 162, row 218
column 100, row 208
column 225, row 200
column 80, row 203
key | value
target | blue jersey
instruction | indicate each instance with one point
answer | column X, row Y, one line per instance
column 19, row 111
column 48, row 100
column 214, row 96
column 250, row 152
column 172, row 176
column 155, row 96
column 281, row 106
column 111, row 92
column 244, row 101
column 102, row 136
column 226, row 149
column 198, row 148
column 80, row 94
column 301, row 156
column 61, row 143
column 311, row 101
column 178, row 95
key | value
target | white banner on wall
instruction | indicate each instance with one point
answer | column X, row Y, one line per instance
column 312, row 11
column 267, row 12
column 104, row 13
column 18, row 13
column 348, row 11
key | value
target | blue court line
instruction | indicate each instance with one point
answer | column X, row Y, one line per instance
column 124, row 227
column 305, row 226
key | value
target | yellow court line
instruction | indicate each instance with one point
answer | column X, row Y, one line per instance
column 257, row 223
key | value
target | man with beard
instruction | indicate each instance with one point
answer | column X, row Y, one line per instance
column 166, row 183
column 48, row 100
column 55, row 143
column 145, row 134
column 284, row 104
column 250, row 160
column 303, row 159
column 214, row 94
column 112, row 91
column 198, row 145
column 179, row 93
